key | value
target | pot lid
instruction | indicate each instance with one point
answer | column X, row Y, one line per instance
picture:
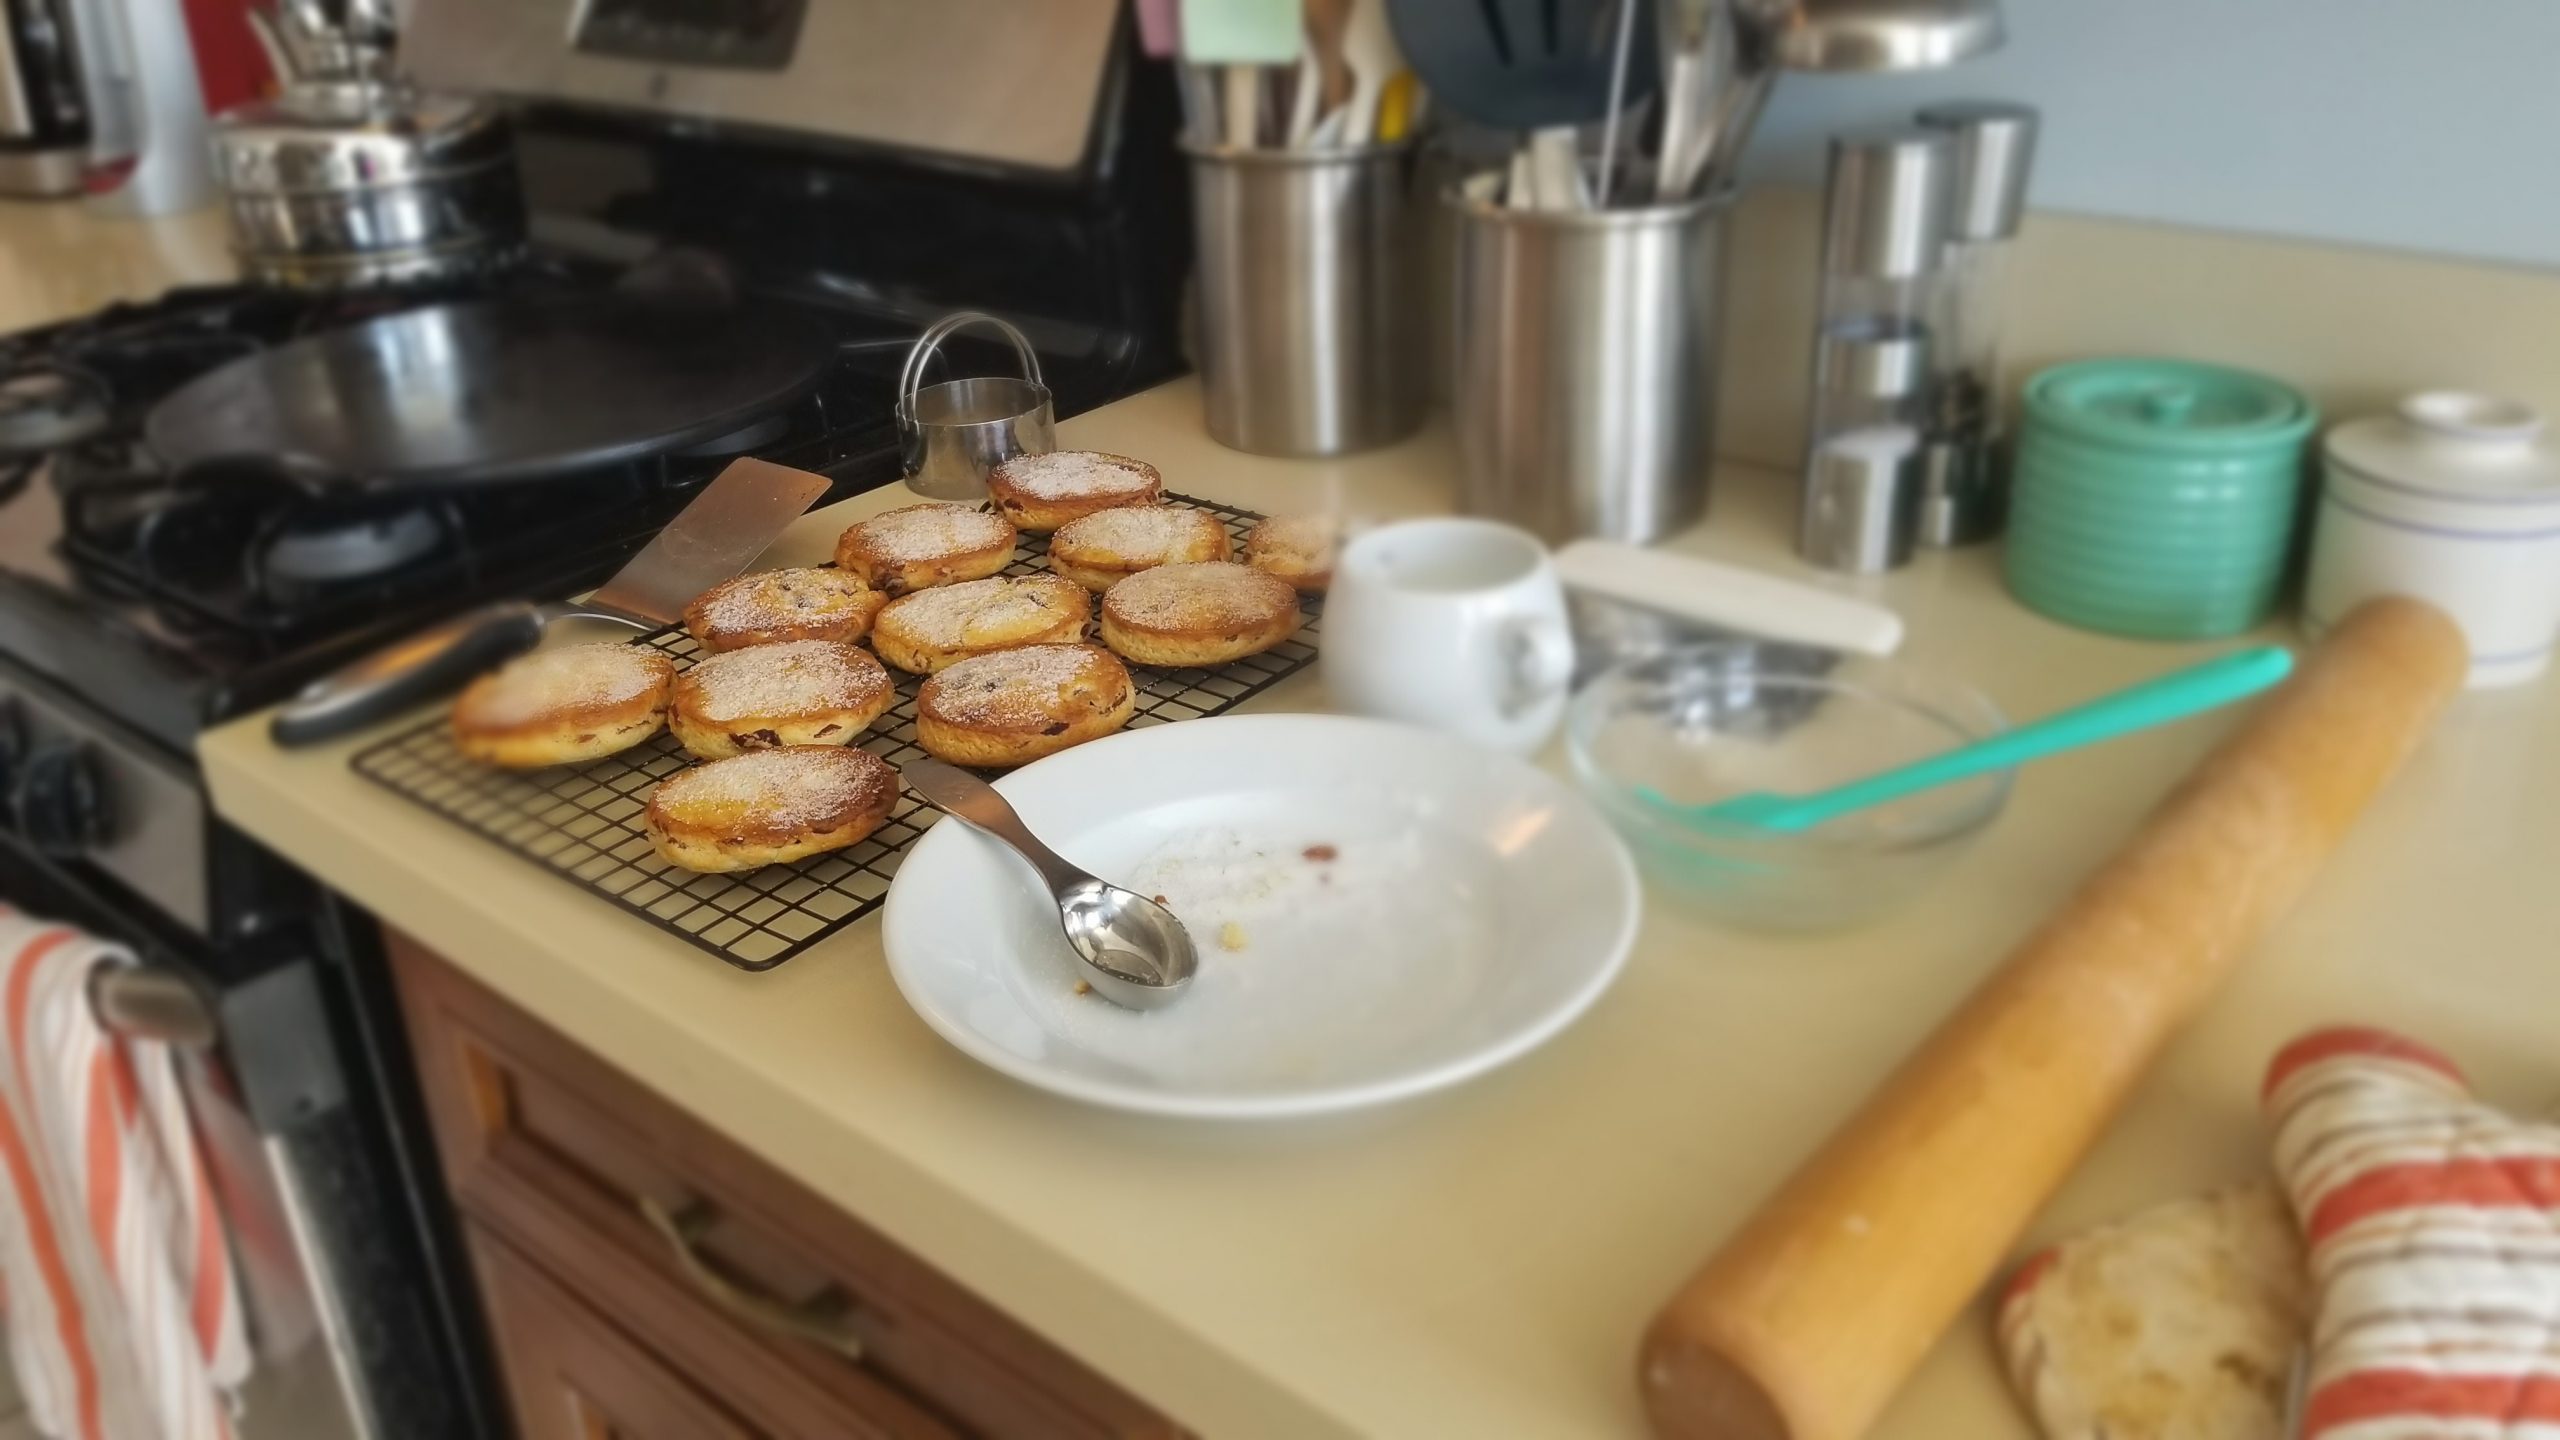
column 349, row 134
column 2456, row 446
column 358, row 107
column 2170, row 405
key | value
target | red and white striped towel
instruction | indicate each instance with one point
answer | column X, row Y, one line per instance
column 2433, row 1227
column 124, row 1321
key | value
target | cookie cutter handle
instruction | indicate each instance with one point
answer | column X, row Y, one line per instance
column 929, row 344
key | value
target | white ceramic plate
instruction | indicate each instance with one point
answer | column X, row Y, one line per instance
column 1472, row 907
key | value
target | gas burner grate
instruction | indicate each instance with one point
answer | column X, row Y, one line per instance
column 249, row 547
column 583, row 823
column 44, row 407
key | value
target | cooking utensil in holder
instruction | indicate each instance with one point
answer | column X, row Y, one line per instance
column 1310, row 334
column 951, row 434
column 1584, row 393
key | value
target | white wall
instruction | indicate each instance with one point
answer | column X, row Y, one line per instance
column 2429, row 125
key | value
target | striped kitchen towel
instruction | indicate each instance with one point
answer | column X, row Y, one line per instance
column 124, row 1321
column 2432, row 1223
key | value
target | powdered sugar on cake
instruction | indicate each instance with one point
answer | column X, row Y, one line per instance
column 953, row 616
column 1142, row 532
column 1078, row 475
column 1023, row 688
column 572, row 677
column 1305, row 539
column 799, row 787
column 1214, row 594
column 930, row 532
column 796, row 678
column 783, row 597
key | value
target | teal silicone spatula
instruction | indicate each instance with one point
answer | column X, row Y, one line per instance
column 2191, row 691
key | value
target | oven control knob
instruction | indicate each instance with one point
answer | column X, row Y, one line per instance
column 60, row 797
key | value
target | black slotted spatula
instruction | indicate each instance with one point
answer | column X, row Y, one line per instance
column 1523, row 64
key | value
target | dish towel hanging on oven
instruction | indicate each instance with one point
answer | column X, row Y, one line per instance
column 124, row 1318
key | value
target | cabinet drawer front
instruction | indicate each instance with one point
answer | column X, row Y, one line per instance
column 572, row 1376
column 610, row 1185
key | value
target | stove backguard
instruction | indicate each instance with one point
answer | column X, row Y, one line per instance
column 1090, row 262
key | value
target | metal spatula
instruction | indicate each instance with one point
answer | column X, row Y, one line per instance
column 726, row 526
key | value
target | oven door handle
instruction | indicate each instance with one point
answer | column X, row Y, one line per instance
column 155, row 1003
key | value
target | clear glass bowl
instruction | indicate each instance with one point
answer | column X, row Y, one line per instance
column 1708, row 722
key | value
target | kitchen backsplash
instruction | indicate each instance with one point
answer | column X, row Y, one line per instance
column 2373, row 122
column 2354, row 327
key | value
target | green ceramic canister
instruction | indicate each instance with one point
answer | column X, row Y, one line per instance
column 2156, row 497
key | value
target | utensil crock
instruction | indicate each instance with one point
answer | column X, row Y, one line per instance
column 1584, row 385
column 1310, row 305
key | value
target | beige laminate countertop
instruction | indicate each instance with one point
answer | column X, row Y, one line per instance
column 59, row 259
column 1481, row 1263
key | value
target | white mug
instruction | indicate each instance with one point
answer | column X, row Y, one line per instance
column 1455, row 624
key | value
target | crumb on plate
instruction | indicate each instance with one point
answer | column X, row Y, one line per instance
column 1320, row 853
column 1231, row 936
column 1083, row 989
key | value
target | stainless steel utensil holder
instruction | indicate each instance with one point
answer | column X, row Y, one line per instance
column 1584, row 394
column 1310, row 334
column 950, row 435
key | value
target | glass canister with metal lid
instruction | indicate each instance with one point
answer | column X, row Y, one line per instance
column 1884, row 230
column 1964, row 484
column 1862, row 480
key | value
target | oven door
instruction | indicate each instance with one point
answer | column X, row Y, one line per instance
column 299, row 1386
column 352, row 1323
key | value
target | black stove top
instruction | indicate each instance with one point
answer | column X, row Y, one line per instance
column 174, row 601
column 164, row 601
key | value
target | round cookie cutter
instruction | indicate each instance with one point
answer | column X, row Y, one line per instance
column 951, row 434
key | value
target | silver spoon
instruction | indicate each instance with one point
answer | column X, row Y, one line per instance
column 1135, row 954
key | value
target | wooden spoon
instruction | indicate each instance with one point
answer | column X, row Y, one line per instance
column 1328, row 24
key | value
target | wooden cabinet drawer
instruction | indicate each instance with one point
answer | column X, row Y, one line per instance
column 654, row 1219
column 572, row 1376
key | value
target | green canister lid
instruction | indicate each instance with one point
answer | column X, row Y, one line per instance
column 2169, row 406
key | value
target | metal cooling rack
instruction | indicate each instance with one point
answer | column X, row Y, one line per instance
column 583, row 822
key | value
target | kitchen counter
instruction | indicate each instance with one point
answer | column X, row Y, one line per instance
column 1482, row 1262
column 59, row 259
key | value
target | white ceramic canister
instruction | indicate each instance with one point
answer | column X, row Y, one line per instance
column 2454, row 499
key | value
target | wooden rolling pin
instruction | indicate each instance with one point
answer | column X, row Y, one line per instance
column 1811, row 1316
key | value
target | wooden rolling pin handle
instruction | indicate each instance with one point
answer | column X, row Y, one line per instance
column 1809, row 1318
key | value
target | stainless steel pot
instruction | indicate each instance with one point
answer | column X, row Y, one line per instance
column 355, row 183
